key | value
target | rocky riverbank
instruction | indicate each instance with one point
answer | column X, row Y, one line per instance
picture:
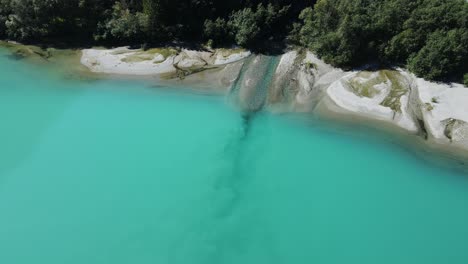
column 296, row 81
column 303, row 83
column 437, row 112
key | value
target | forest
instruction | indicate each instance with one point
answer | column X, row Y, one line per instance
column 429, row 37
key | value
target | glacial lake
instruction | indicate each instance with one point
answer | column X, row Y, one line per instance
column 113, row 171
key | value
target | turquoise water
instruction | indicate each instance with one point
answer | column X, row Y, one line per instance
column 122, row 172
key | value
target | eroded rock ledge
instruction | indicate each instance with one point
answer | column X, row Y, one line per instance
column 296, row 81
column 435, row 111
column 156, row 61
column 303, row 83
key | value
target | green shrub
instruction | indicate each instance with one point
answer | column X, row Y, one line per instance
column 4, row 12
column 122, row 26
column 217, row 32
column 444, row 55
column 429, row 36
column 252, row 28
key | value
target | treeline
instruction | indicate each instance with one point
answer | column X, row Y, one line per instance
column 249, row 23
column 430, row 37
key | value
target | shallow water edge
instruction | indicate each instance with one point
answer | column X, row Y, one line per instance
column 66, row 63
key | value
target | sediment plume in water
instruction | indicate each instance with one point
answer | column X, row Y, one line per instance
column 250, row 90
column 248, row 94
column 220, row 225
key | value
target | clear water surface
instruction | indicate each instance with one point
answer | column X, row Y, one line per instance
column 118, row 172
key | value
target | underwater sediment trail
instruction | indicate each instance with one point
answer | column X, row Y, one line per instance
column 232, row 179
column 228, row 224
column 249, row 94
column 225, row 224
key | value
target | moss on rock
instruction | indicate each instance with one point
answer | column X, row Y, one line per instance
column 397, row 90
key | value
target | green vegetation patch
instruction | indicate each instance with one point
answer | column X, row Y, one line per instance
column 366, row 88
column 148, row 55
column 398, row 89
column 20, row 51
column 310, row 65
column 65, row 61
column 137, row 57
column 301, row 56
column 428, row 36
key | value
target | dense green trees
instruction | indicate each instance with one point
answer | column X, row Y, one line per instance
column 444, row 54
column 154, row 11
column 217, row 32
column 50, row 20
column 433, row 40
column 122, row 25
column 5, row 11
column 148, row 21
column 430, row 37
column 25, row 23
column 248, row 27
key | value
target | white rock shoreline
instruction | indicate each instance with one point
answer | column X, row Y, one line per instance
column 437, row 112
column 113, row 61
